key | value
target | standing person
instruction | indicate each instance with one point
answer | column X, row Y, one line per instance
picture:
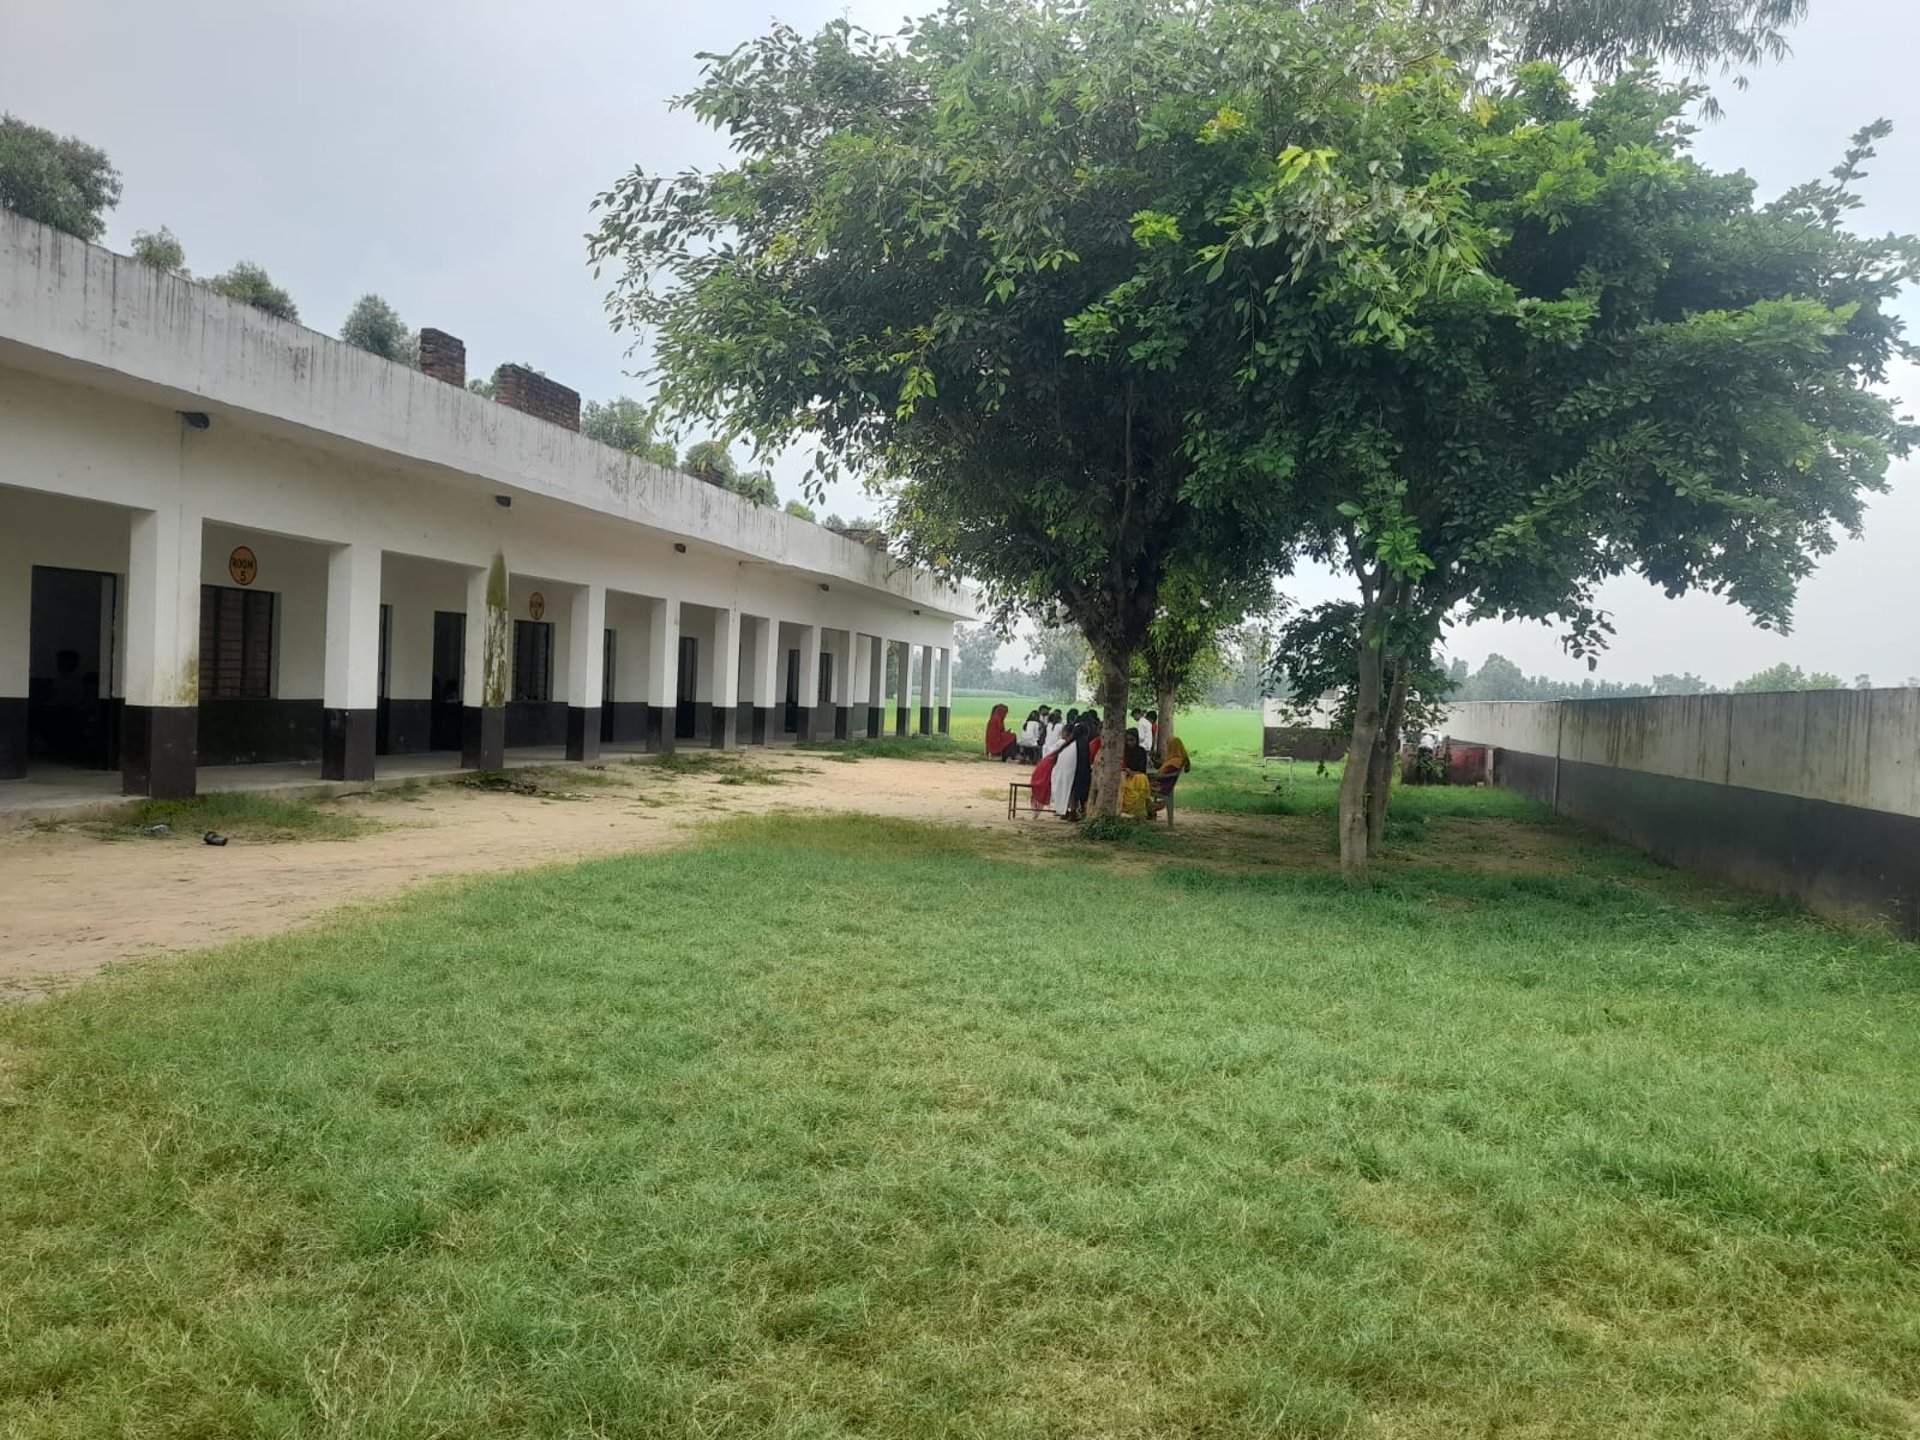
column 1082, row 771
column 1139, row 727
column 1066, row 770
column 1056, row 732
column 1150, row 741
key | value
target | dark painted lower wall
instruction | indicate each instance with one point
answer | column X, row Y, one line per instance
column 259, row 732
column 536, row 722
column 628, row 725
column 1839, row 860
column 406, row 726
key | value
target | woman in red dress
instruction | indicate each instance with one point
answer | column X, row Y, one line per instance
column 1000, row 740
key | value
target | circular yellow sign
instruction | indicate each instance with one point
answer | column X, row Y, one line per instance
column 536, row 605
column 242, row 565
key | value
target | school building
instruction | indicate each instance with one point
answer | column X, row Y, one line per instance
column 229, row 540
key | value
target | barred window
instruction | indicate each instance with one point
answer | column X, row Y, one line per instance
column 236, row 643
column 533, row 660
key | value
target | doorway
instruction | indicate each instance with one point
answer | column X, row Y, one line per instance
column 685, row 715
column 449, row 673
column 793, row 692
column 72, row 718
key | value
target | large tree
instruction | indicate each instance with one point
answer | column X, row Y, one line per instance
column 962, row 260
column 1645, row 372
column 58, row 180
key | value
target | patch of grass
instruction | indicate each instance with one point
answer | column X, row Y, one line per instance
column 560, row 777
column 891, row 747
column 857, row 1126
column 241, row 816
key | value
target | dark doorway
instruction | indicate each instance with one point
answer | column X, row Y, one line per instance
column 449, row 670
column 70, row 642
column 826, row 678
column 685, row 714
column 793, row 692
column 606, row 688
column 382, row 709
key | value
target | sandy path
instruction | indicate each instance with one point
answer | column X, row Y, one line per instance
column 71, row 903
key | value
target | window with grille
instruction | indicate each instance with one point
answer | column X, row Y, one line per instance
column 236, row 643
column 533, row 660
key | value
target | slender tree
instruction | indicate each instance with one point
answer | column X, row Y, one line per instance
column 161, row 249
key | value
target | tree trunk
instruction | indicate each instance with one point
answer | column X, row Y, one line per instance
column 1386, row 756
column 1366, row 734
column 1163, row 702
column 1112, row 700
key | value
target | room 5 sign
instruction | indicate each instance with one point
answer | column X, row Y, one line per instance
column 242, row 565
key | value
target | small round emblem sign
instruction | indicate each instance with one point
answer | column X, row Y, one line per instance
column 536, row 605
column 242, row 565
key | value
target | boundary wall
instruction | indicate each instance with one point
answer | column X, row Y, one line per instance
column 1814, row 795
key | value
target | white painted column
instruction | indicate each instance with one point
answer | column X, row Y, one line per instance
column 350, row 681
column 586, row 669
column 876, row 648
column 16, row 662
column 159, row 739
column 943, row 720
column 926, row 689
column 766, row 679
column 810, row 704
column 903, row 698
column 726, row 679
column 663, row 670
column 486, row 671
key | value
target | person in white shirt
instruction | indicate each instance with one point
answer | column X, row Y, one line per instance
column 1150, row 742
column 1033, row 735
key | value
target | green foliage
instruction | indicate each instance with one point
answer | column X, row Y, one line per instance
column 161, row 249
column 799, row 509
column 376, row 327
column 626, row 424
column 712, row 461
column 1498, row 678
column 1062, row 653
column 251, row 285
column 976, row 650
column 1607, row 36
column 1316, row 658
column 58, row 180
column 1788, row 677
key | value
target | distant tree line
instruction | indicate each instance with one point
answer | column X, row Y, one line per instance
column 1498, row 678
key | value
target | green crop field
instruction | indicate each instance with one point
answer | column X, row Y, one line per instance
column 849, row 1127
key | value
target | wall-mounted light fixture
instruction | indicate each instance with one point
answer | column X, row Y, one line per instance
column 823, row 584
column 916, row 612
column 679, row 548
column 505, row 502
column 196, row 419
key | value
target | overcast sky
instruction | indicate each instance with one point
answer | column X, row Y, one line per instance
column 443, row 154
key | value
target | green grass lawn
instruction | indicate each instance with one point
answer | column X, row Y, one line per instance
column 838, row 1127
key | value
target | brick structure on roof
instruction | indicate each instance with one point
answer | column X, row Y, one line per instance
column 444, row 357
column 520, row 389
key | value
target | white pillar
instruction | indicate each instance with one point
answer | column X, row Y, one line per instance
column 486, row 671
column 944, row 719
column 876, row 648
column 16, row 664
column 586, row 670
column 810, row 700
column 159, row 740
column 766, row 679
column 903, row 697
column 726, row 679
column 926, row 689
column 663, row 670
column 350, row 685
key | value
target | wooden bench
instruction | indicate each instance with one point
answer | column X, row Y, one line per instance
column 1013, row 797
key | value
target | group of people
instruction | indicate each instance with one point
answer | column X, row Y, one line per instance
column 1062, row 748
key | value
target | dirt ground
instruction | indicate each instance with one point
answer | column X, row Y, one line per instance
column 72, row 903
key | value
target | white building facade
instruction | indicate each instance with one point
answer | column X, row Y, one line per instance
column 227, row 539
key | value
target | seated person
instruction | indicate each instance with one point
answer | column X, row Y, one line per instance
column 1000, row 740
column 1136, row 789
column 1033, row 735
